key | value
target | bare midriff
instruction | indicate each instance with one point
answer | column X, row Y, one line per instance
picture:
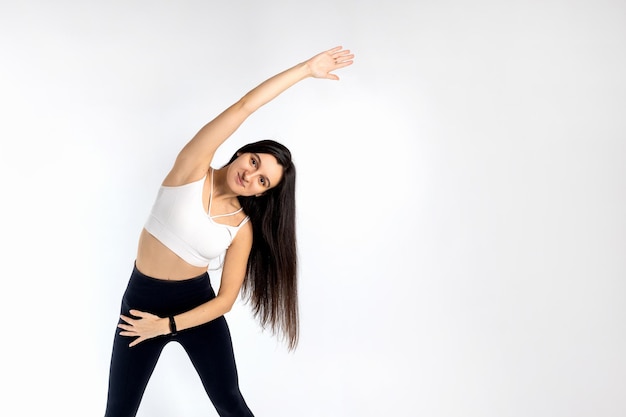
column 157, row 261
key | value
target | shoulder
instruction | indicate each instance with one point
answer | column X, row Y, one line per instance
column 181, row 175
column 243, row 238
column 245, row 231
column 240, row 247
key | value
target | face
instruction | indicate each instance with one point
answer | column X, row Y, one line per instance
column 252, row 174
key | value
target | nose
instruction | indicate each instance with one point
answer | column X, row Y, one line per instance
column 247, row 176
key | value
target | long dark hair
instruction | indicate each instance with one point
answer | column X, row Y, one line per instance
column 271, row 278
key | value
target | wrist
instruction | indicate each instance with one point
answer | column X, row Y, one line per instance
column 171, row 326
column 305, row 70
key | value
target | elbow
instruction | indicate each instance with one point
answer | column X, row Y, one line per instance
column 227, row 308
column 225, row 304
column 246, row 106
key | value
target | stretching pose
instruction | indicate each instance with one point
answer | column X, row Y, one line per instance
column 244, row 211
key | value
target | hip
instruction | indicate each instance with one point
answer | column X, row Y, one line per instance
column 163, row 297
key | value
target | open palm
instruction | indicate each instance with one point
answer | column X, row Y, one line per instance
column 321, row 65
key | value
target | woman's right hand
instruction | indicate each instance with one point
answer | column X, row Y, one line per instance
column 321, row 65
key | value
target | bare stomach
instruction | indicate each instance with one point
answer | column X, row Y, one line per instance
column 157, row 261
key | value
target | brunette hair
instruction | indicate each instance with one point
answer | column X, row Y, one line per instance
column 271, row 275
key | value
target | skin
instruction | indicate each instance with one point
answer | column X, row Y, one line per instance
column 248, row 175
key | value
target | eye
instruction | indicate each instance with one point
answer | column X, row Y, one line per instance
column 262, row 180
column 253, row 162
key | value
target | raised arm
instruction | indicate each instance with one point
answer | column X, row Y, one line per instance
column 194, row 159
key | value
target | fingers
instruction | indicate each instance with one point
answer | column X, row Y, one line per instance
column 127, row 319
column 136, row 342
column 128, row 326
column 342, row 64
column 342, row 59
column 125, row 327
column 141, row 314
column 342, row 55
column 141, row 326
column 129, row 331
column 137, row 313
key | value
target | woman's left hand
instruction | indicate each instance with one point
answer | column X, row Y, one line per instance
column 143, row 328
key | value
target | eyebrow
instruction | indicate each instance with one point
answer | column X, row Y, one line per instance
column 258, row 158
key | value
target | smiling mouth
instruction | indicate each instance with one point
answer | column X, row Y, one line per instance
column 239, row 180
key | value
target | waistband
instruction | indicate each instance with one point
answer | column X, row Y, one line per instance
column 201, row 277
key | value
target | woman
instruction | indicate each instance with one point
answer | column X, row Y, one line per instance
column 246, row 210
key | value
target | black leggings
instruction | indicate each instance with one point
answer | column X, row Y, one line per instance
column 209, row 347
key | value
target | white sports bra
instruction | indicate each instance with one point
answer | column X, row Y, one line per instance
column 178, row 220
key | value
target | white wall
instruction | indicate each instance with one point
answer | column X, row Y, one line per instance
column 461, row 200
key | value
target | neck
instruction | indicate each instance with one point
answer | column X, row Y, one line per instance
column 221, row 190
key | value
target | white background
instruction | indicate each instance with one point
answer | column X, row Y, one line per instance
column 461, row 200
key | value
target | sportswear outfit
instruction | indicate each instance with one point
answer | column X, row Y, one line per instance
column 179, row 221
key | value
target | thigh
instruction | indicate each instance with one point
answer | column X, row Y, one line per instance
column 129, row 373
column 210, row 349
